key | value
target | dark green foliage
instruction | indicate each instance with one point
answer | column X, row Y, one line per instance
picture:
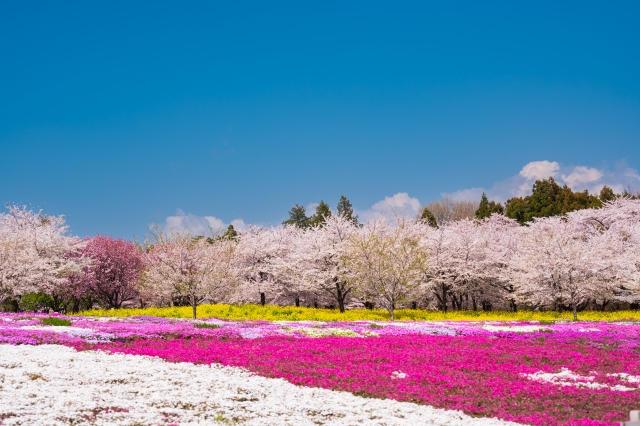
column 56, row 321
column 428, row 218
column 549, row 199
column 607, row 194
column 320, row 217
column 297, row 217
column 486, row 208
column 10, row 304
column 32, row 302
column 345, row 209
column 231, row 234
column 205, row 325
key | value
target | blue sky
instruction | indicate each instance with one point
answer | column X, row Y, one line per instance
column 117, row 115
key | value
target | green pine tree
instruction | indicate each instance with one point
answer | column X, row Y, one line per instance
column 231, row 233
column 428, row 218
column 483, row 208
column 320, row 217
column 297, row 217
column 486, row 208
column 607, row 194
column 346, row 210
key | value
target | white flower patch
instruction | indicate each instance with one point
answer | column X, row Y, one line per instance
column 627, row 377
column 398, row 375
column 568, row 378
column 55, row 385
column 87, row 334
column 588, row 330
column 514, row 328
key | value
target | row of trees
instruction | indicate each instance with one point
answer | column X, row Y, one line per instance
column 298, row 214
column 587, row 258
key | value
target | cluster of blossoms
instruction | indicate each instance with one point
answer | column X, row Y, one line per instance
column 588, row 258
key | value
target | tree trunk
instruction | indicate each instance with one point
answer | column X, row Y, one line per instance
column 297, row 302
column 340, row 298
column 263, row 299
column 475, row 305
column 442, row 299
column 194, row 306
column 414, row 305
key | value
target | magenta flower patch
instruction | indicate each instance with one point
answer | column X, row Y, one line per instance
column 480, row 376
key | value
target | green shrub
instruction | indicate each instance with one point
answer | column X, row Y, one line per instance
column 56, row 321
column 205, row 325
column 32, row 302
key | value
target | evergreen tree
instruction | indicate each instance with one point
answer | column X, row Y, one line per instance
column 346, row 210
column 322, row 213
column 607, row 194
column 297, row 217
column 231, row 233
column 428, row 218
column 549, row 199
column 483, row 208
column 486, row 208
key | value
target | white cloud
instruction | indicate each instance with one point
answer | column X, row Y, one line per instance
column 582, row 175
column 539, row 170
column 577, row 178
column 200, row 224
column 311, row 208
column 400, row 203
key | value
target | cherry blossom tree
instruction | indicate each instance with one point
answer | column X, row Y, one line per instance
column 501, row 236
column 36, row 253
column 440, row 274
column 387, row 261
column 259, row 249
column 197, row 269
column 114, row 270
column 558, row 262
column 320, row 258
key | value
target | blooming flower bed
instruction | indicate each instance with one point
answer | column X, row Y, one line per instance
column 527, row 372
column 39, row 388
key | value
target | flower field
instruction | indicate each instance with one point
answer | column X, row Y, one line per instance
column 291, row 313
column 156, row 370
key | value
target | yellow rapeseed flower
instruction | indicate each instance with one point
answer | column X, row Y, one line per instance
column 290, row 313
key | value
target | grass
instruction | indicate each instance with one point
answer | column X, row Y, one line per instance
column 205, row 325
column 56, row 321
column 290, row 313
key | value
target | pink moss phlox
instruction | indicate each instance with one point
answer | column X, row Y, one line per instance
column 477, row 375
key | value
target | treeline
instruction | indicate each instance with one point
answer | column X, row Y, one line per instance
column 585, row 259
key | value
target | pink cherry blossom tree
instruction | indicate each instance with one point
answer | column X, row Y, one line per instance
column 114, row 271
